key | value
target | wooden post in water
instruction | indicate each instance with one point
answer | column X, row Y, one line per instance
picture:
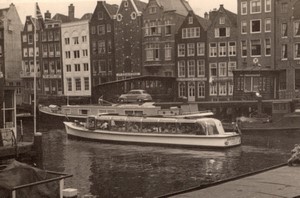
column 38, row 149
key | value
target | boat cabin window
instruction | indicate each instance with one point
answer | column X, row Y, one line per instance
column 90, row 123
column 191, row 128
column 133, row 113
column 133, row 126
column 67, row 111
column 83, row 111
column 211, row 128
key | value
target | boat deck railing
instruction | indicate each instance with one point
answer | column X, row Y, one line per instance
column 60, row 178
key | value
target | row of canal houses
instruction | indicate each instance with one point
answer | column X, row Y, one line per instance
column 221, row 56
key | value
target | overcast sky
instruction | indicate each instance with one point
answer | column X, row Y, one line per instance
column 26, row 7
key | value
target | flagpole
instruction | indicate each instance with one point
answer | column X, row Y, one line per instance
column 35, row 70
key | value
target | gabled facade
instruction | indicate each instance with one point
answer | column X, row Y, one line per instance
column 102, row 43
column 256, row 67
column 128, row 39
column 10, row 48
column 222, row 53
column 51, row 61
column 161, row 20
column 191, row 58
column 76, row 58
column 287, row 55
column 27, row 74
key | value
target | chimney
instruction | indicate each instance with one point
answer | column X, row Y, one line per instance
column 206, row 16
column 71, row 11
column 221, row 6
column 47, row 15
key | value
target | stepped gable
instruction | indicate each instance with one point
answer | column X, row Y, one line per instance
column 181, row 7
column 231, row 16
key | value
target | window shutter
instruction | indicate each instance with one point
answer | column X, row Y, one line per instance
column 228, row 32
column 217, row 35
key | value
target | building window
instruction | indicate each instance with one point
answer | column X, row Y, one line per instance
column 109, row 46
column 56, row 35
column 67, row 41
column 244, row 27
column 284, row 7
column 86, row 83
column 78, row 84
column 222, row 69
column 191, row 49
column 255, row 26
column 255, row 6
column 284, row 28
column 100, row 15
column 50, row 36
column 201, row 89
column 152, row 52
column 76, row 54
column 84, row 39
column 25, row 52
column 267, row 25
column 191, row 32
column 77, row 67
column 24, row 38
column 268, row 5
column 69, row 82
column 232, row 48
column 268, row 47
column 222, row 49
column 85, row 52
column 75, row 41
column 29, row 27
column 230, row 88
column 85, row 66
column 212, row 50
column 68, row 68
column 152, row 10
column 244, row 7
column 126, row 4
column 51, row 50
column 222, row 88
column 200, row 49
column 182, row 90
column 231, row 67
column 68, row 54
column 284, row 52
column 101, row 47
column 181, row 69
column 168, row 28
column 94, row 48
column 297, row 28
column 30, row 38
column 201, row 68
column 168, row 51
column 213, row 89
column 181, row 50
column 255, row 48
column 108, row 27
column 101, row 29
column 244, row 48
column 222, row 32
column 93, row 30
column 297, row 50
column 222, row 20
column 191, row 68
column 213, row 69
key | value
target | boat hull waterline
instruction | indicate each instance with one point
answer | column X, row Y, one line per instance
column 216, row 141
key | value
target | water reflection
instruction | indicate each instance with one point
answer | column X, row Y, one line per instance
column 110, row 170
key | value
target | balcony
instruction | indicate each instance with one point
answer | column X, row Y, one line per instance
column 24, row 74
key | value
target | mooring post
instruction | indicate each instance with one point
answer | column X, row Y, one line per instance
column 38, row 149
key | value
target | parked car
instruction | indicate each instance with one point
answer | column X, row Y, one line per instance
column 136, row 95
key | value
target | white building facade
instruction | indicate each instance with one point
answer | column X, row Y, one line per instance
column 76, row 58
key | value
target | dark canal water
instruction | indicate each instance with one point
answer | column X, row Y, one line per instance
column 110, row 170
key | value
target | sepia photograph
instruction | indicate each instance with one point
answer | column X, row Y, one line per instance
column 149, row 98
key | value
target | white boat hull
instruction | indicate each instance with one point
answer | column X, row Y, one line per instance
column 220, row 141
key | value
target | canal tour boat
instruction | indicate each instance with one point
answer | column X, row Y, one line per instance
column 202, row 132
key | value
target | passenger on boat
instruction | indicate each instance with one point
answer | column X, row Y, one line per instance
column 104, row 126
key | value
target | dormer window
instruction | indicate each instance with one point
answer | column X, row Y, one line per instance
column 190, row 20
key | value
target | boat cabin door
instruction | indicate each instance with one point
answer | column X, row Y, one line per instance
column 191, row 91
